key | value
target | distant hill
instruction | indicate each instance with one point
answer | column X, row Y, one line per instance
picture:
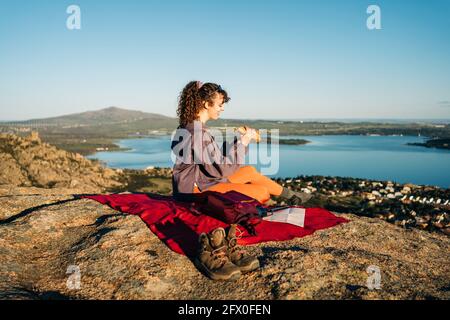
column 99, row 128
column 103, row 116
column 86, row 131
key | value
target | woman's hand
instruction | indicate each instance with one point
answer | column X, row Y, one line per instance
column 248, row 134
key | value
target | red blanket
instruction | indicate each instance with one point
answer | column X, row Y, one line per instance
column 179, row 228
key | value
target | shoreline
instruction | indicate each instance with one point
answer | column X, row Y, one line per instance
column 434, row 143
column 282, row 141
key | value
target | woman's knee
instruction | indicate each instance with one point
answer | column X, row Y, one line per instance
column 244, row 174
column 249, row 169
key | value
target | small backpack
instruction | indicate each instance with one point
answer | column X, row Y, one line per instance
column 231, row 207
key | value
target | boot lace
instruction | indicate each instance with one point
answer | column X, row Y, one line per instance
column 234, row 249
column 220, row 255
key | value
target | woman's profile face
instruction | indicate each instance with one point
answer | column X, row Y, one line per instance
column 216, row 108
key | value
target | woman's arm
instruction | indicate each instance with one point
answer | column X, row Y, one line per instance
column 234, row 148
column 221, row 162
column 249, row 135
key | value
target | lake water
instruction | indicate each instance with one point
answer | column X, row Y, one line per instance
column 371, row 157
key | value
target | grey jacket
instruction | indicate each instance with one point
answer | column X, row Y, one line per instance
column 199, row 159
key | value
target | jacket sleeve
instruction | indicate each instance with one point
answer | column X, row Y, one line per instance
column 182, row 147
column 234, row 152
column 218, row 162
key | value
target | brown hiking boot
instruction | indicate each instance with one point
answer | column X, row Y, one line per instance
column 299, row 198
column 294, row 198
column 270, row 202
column 243, row 261
column 212, row 257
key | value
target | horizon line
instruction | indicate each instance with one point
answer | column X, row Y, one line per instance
column 251, row 119
column 278, row 119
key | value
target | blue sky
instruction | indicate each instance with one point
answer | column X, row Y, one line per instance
column 277, row 59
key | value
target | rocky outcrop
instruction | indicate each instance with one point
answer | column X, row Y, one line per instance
column 47, row 238
column 159, row 172
column 27, row 161
column 54, row 245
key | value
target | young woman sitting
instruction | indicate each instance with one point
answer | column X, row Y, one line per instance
column 202, row 165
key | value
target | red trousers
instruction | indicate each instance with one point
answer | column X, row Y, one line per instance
column 247, row 180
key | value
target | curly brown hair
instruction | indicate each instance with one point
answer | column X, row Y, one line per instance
column 192, row 97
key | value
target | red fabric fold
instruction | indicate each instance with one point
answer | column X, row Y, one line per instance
column 178, row 227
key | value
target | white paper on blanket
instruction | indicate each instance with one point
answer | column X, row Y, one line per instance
column 289, row 215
